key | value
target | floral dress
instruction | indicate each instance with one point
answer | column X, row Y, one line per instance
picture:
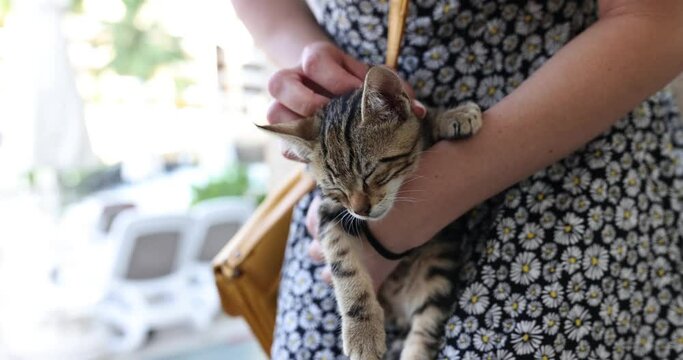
column 580, row 260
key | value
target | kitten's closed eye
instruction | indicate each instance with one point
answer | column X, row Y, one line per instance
column 396, row 157
column 335, row 194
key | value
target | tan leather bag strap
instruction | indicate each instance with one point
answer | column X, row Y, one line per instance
column 398, row 11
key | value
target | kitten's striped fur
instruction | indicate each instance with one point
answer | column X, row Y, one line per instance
column 361, row 147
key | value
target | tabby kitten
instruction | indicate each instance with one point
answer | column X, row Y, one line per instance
column 361, row 147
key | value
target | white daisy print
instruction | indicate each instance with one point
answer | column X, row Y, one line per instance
column 594, row 295
column 446, row 9
column 577, row 180
column 506, row 229
column 548, row 251
column 578, row 261
column 644, row 342
column 525, row 269
column 534, row 309
column 551, row 272
column 661, row 272
column 490, row 90
column 463, row 19
column 540, row 197
column 493, row 316
column 474, row 299
column 419, row 31
column 569, row 230
column 531, row 236
column 571, row 259
column 613, row 172
column 595, row 261
column 632, row 183
column 311, row 340
column 551, row 323
column 464, row 87
column 609, row 309
column 553, row 295
column 370, row 27
column 595, row 218
column 545, row 352
column 495, row 31
column 581, row 204
column 472, row 58
column 488, row 276
column 492, row 250
column 531, row 47
column 651, row 310
column 556, row 37
column 526, row 337
column 548, row 220
column 435, row 57
column 464, row 341
column 502, row 291
column 627, row 214
column 453, row 327
column 294, row 341
column 533, row 291
column 309, row 317
column 675, row 313
column 483, row 340
column 575, row 288
column 598, row 154
column 422, row 82
column 578, row 323
column 527, row 22
column 515, row 305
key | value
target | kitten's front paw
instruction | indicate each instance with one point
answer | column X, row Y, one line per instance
column 461, row 122
column 365, row 339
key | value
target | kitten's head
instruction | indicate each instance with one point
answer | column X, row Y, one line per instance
column 361, row 146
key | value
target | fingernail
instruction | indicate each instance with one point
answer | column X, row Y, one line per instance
column 315, row 252
column 419, row 109
column 327, row 275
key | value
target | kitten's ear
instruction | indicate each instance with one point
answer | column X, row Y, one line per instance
column 383, row 96
column 299, row 136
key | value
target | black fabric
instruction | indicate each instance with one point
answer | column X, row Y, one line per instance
column 580, row 260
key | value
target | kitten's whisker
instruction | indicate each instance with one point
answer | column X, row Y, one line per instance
column 408, row 191
column 407, row 181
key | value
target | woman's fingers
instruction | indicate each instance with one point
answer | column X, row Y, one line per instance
column 331, row 69
column 315, row 251
column 312, row 220
column 418, row 108
column 278, row 113
column 326, row 274
column 287, row 87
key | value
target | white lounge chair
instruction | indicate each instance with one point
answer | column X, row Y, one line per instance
column 148, row 288
column 215, row 222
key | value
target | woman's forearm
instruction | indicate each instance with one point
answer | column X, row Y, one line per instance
column 281, row 28
column 593, row 81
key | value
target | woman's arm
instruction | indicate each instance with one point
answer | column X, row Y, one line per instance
column 635, row 49
column 281, row 28
column 314, row 68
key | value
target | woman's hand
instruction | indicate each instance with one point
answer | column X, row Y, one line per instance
column 325, row 71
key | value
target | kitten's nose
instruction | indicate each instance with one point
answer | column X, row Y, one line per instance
column 360, row 204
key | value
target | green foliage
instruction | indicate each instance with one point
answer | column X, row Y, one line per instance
column 140, row 51
column 234, row 182
column 77, row 6
column 77, row 183
column 5, row 6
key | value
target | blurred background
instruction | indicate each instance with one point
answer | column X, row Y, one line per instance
column 128, row 157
